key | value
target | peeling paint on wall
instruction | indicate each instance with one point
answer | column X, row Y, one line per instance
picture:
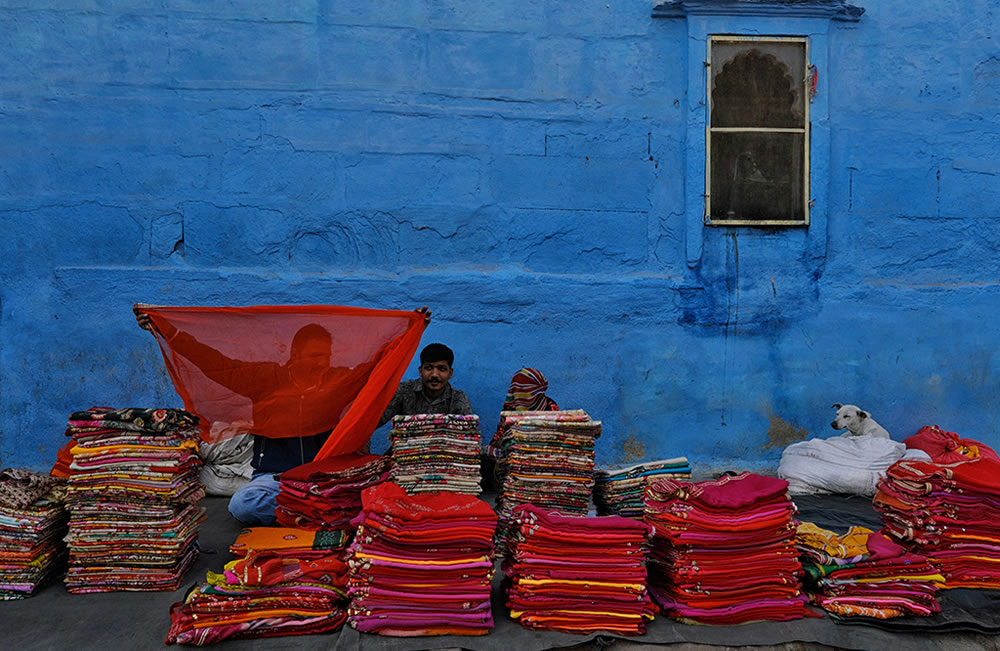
column 781, row 433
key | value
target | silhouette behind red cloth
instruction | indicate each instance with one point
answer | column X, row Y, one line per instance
column 280, row 370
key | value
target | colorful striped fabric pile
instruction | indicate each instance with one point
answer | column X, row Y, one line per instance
column 436, row 452
column 32, row 525
column 578, row 574
column 863, row 573
column 622, row 491
column 326, row 494
column 421, row 564
column 949, row 513
column 284, row 582
column 133, row 499
column 545, row 459
column 723, row 551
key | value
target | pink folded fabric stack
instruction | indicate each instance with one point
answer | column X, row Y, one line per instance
column 421, row 564
column 724, row 551
column 578, row 574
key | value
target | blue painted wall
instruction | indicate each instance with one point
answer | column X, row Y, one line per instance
column 527, row 170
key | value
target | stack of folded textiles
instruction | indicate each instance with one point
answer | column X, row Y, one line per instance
column 949, row 513
column 133, row 499
column 436, row 452
column 326, row 494
column 32, row 525
column 622, row 491
column 545, row 459
column 421, row 564
column 578, row 574
column 723, row 551
column 863, row 573
column 285, row 581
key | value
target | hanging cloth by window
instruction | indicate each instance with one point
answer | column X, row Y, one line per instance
column 281, row 370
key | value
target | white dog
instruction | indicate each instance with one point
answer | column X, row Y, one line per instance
column 857, row 422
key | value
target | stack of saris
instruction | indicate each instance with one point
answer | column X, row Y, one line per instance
column 545, row 459
column 949, row 513
column 723, row 551
column 133, row 499
column 32, row 525
column 863, row 573
column 436, row 452
column 284, row 581
column 326, row 494
column 578, row 574
column 421, row 564
column 622, row 491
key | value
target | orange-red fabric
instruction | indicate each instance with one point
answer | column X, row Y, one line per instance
column 236, row 369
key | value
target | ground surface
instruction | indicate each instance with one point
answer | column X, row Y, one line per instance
column 55, row 619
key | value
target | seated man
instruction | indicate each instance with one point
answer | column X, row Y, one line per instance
column 432, row 393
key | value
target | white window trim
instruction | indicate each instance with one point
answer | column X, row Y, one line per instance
column 709, row 129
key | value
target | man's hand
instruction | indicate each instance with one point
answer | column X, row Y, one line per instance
column 141, row 317
column 427, row 314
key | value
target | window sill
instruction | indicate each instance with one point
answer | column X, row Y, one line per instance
column 838, row 10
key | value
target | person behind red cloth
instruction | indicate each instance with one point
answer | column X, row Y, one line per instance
column 275, row 389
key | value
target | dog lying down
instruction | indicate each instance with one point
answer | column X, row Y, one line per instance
column 857, row 422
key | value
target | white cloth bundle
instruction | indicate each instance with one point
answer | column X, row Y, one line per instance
column 840, row 464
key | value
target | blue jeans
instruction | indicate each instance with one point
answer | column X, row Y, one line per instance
column 255, row 502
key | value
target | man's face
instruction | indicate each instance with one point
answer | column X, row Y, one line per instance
column 435, row 375
column 312, row 359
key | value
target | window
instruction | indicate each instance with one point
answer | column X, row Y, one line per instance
column 757, row 135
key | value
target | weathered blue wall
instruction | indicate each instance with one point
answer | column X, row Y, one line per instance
column 524, row 169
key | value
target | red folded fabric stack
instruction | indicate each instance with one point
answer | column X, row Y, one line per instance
column 421, row 564
column 949, row 513
column 326, row 494
column 284, row 582
column 723, row 551
column 578, row 574
column 863, row 573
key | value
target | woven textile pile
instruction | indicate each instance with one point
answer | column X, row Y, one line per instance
column 436, row 452
column 421, row 564
column 622, row 491
column 949, row 513
column 863, row 573
column 133, row 499
column 724, row 551
column 32, row 525
column 545, row 459
column 326, row 494
column 283, row 582
column 578, row 574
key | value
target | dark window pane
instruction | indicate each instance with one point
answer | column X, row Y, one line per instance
column 758, row 84
column 757, row 176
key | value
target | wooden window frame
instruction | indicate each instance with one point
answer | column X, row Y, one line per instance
column 709, row 129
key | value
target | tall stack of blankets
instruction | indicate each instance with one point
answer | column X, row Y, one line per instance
column 284, row 581
column 622, row 491
column 326, row 494
column 545, row 459
column 32, row 525
column 436, row 452
column 578, row 574
column 133, row 499
column 723, row 551
column 421, row 564
column 863, row 573
column 949, row 512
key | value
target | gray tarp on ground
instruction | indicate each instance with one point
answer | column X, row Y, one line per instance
column 57, row 619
